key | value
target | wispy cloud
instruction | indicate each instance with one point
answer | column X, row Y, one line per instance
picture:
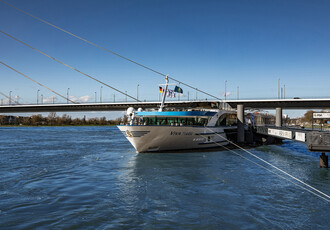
column 84, row 98
column 80, row 99
column 50, row 99
column 14, row 100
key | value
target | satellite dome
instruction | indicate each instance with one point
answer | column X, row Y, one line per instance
column 130, row 111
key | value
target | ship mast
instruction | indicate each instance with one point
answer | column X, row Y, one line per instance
column 164, row 95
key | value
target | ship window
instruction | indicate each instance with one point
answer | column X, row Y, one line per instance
column 222, row 120
column 231, row 120
column 176, row 121
column 227, row 120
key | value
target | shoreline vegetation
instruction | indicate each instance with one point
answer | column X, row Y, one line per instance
column 53, row 120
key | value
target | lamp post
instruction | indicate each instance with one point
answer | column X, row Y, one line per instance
column 237, row 92
column 38, row 96
column 67, row 95
column 9, row 97
column 101, row 94
column 137, row 92
column 225, row 90
column 278, row 88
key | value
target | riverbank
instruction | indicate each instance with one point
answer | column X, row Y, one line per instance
column 53, row 120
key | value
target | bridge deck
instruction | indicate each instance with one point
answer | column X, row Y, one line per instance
column 119, row 106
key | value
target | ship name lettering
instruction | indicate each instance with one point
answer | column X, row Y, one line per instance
column 175, row 133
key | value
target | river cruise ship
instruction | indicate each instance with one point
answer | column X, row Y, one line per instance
column 151, row 131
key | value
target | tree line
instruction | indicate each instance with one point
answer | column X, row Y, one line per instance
column 308, row 117
column 53, row 120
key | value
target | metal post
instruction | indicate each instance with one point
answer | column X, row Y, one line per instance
column 101, row 94
column 278, row 122
column 240, row 124
column 53, row 99
column 225, row 90
column 164, row 95
column 278, row 88
column 42, row 99
column 67, row 95
column 324, row 162
column 114, row 97
column 196, row 94
column 237, row 92
column 9, row 97
column 188, row 95
column 38, row 96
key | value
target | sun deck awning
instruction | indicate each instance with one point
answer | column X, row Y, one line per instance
column 176, row 114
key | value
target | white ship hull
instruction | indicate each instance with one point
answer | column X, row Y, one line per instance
column 164, row 138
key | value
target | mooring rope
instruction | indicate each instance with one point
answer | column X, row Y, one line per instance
column 282, row 171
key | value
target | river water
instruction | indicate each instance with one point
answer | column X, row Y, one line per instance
column 91, row 178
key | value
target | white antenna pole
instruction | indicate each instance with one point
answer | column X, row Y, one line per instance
column 164, row 95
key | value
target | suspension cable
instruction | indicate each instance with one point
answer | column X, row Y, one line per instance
column 67, row 65
column 282, row 171
column 38, row 83
column 107, row 50
column 9, row 98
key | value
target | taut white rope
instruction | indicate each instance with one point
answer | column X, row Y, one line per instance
column 326, row 197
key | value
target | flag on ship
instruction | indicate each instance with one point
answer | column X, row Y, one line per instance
column 170, row 93
column 178, row 90
column 160, row 89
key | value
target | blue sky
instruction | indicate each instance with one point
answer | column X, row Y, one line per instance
column 203, row 43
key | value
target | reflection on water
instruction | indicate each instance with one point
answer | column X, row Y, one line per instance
column 91, row 177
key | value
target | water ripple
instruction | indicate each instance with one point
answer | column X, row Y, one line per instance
column 91, row 177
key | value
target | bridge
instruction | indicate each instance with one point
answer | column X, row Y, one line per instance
column 323, row 103
column 119, row 106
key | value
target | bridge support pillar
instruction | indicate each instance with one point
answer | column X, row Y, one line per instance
column 240, row 124
column 278, row 122
column 324, row 161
